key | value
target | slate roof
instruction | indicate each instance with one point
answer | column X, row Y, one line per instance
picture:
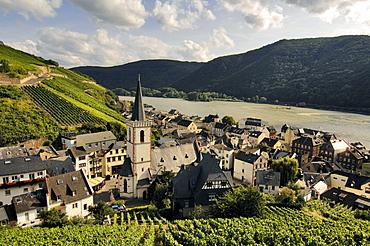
column 253, row 122
column 255, row 134
column 21, row 165
column 308, row 141
column 126, row 169
column 268, row 178
column 236, row 130
column 221, row 126
column 281, row 154
column 70, row 187
column 185, row 123
column 269, row 142
column 319, row 167
column 354, row 181
column 222, row 147
column 59, row 165
column 12, row 152
column 171, row 158
column 84, row 139
column 246, row 157
column 26, row 202
column 138, row 113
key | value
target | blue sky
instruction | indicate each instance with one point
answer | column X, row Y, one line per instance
column 114, row 32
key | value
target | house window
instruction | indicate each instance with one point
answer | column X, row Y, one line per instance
column 40, row 173
column 31, row 176
column 186, row 204
column 119, row 158
column 266, row 187
column 116, row 151
column 40, row 185
column 82, row 165
column 142, row 169
column 212, row 197
column 22, row 176
column 7, row 192
column 113, row 159
column 14, row 178
column 261, row 189
column 82, row 158
column 85, row 206
column 242, row 170
column 26, row 216
column 6, row 180
column 75, row 205
column 108, row 159
column 25, row 190
column 273, row 188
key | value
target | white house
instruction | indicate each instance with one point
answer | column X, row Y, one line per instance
column 19, row 176
column 226, row 155
column 246, row 165
column 70, row 192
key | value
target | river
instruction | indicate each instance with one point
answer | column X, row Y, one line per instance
column 348, row 126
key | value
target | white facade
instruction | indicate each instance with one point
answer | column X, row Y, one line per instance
column 6, row 194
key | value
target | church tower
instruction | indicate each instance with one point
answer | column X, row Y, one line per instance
column 134, row 174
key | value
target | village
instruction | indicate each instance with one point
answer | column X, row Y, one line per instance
column 206, row 155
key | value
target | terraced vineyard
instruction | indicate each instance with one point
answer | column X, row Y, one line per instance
column 280, row 226
column 64, row 112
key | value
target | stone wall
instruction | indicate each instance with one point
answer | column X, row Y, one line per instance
column 6, row 80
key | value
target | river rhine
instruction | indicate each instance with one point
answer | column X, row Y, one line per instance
column 351, row 127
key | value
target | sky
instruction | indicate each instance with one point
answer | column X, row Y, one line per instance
column 114, row 32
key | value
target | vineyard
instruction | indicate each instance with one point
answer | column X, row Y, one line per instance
column 77, row 90
column 280, row 226
column 64, row 112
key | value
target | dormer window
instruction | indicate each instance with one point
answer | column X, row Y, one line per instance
column 174, row 158
column 59, row 181
column 74, row 193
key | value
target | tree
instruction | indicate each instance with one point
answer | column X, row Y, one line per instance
column 4, row 66
column 117, row 129
column 161, row 190
column 228, row 120
column 242, row 200
column 290, row 197
column 100, row 211
column 288, row 169
column 53, row 218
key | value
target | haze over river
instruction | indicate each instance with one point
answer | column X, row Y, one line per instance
column 348, row 126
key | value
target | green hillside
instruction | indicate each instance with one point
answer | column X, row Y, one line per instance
column 155, row 73
column 62, row 102
column 322, row 71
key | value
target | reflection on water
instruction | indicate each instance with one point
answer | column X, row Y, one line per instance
column 352, row 127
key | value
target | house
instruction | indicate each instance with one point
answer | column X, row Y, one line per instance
column 218, row 129
column 188, row 125
column 329, row 151
column 357, row 184
column 256, row 137
column 98, row 154
column 253, row 124
column 20, row 175
column 225, row 154
column 271, row 143
column 13, row 152
column 268, row 182
column 199, row 184
column 211, row 118
column 309, row 146
column 287, row 135
column 246, row 165
column 70, row 192
column 347, row 198
column 351, row 159
column 27, row 207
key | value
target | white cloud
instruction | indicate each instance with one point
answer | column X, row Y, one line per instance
column 220, row 39
column 77, row 49
column 173, row 16
column 257, row 13
column 192, row 51
column 125, row 14
column 28, row 46
column 37, row 8
column 150, row 47
column 328, row 10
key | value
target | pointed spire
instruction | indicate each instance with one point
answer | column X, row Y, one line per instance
column 138, row 113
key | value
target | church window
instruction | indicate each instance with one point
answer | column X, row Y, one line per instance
column 142, row 136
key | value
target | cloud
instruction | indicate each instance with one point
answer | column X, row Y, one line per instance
column 173, row 16
column 76, row 49
column 220, row 39
column 125, row 14
column 192, row 51
column 37, row 8
column 257, row 13
column 150, row 47
column 328, row 10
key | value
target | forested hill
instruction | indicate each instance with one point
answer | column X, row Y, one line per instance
column 323, row 71
column 155, row 73
column 333, row 72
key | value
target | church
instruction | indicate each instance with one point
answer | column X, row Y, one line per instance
column 134, row 176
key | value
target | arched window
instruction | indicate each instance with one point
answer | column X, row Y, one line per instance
column 142, row 136
column 125, row 186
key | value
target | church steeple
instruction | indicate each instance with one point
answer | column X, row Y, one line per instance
column 138, row 113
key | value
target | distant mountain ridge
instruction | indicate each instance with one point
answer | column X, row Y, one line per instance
column 318, row 71
column 155, row 73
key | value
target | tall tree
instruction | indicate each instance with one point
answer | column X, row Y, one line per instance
column 242, row 200
column 288, row 168
column 53, row 218
column 228, row 120
column 100, row 211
